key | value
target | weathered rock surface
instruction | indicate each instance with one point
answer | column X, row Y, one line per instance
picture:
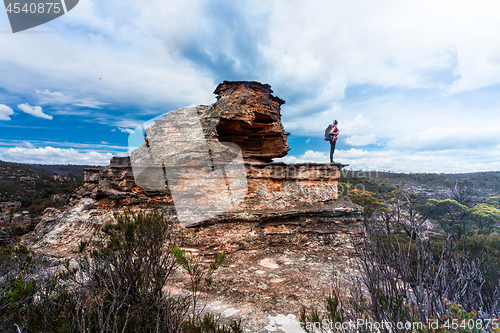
column 245, row 114
column 282, row 237
column 60, row 232
column 250, row 117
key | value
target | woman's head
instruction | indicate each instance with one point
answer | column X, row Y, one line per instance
column 335, row 122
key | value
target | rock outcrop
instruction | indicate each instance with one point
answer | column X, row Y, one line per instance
column 283, row 226
column 250, row 117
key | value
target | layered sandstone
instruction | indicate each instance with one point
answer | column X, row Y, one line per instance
column 250, row 117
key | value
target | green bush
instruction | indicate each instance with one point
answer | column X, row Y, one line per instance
column 30, row 299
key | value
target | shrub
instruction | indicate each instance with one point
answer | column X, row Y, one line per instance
column 199, row 276
column 402, row 280
column 30, row 298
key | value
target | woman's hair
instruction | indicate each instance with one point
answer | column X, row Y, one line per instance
column 335, row 122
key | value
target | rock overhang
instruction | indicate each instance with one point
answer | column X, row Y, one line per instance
column 250, row 116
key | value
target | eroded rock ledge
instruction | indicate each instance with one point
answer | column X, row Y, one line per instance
column 250, row 117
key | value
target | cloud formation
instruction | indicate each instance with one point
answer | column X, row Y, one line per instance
column 55, row 156
column 404, row 161
column 58, row 98
column 127, row 130
column 5, row 112
column 34, row 111
column 361, row 140
column 437, row 138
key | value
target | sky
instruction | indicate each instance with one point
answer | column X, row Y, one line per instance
column 414, row 85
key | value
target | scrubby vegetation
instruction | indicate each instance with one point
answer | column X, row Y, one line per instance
column 118, row 286
column 34, row 185
column 433, row 262
column 437, row 185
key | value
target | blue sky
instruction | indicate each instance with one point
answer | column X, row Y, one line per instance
column 415, row 85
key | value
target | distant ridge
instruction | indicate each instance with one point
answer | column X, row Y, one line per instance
column 486, row 183
column 35, row 184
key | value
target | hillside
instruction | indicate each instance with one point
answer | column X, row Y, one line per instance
column 34, row 185
column 28, row 183
column 437, row 185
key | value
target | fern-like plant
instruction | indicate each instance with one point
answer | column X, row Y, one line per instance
column 199, row 276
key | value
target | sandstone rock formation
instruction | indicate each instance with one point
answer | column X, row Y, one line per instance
column 250, row 117
column 282, row 236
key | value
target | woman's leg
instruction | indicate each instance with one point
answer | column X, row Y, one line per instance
column 332, row 150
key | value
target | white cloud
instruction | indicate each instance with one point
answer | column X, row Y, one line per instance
column 55, row 156
column 127, row 130
column 451, row 137
column 108, row 56
column 56, row 97
column 53, row 95
column 11, row 143
column 127, row 123
column 312, row 49
column 361, row 140
column 5, row 112
column 351, row 126
column 309, row 156
column 348, row 123
column 90, row 104
column 387, row 43
column 34, row 111
column 467, row 160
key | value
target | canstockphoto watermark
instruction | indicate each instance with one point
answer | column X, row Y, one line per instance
column 350, row 180
column 172, row 154
column 363, row 324
column 384, row 326
column 26, row 14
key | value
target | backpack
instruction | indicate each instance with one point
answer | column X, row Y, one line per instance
column 328, row 136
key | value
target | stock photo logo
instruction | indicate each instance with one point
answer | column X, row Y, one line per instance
column 205, row 178
column 26, row 14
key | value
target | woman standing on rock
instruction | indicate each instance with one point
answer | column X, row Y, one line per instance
column 335, row 133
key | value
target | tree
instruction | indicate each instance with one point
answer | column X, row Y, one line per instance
column 199, row 276
column 461, row 191
column 493, row 201
column 451, row 216
column 485, row 215
column 124, row 279
column 402, row 280
column 407, row 210
column 371, row 203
